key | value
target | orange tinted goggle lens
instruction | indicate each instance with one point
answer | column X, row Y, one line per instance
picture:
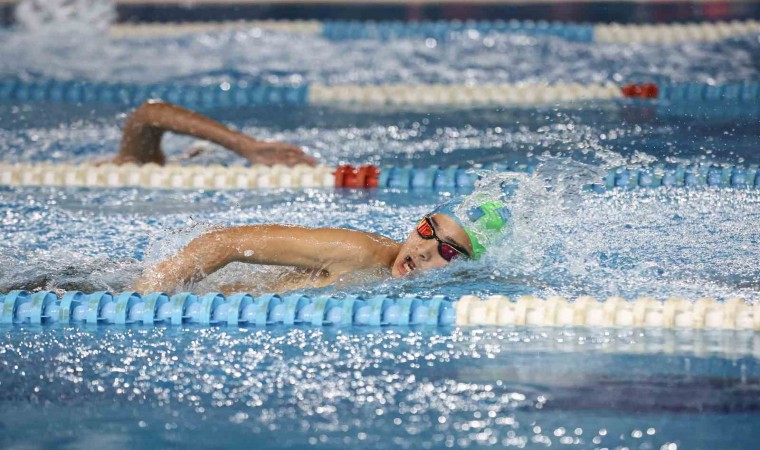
column 424, row 229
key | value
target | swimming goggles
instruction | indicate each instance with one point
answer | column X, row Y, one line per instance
column 447, row 250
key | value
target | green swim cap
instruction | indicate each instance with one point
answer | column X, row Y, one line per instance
column 486, row 219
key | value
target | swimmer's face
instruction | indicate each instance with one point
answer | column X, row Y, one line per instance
column 422, row 254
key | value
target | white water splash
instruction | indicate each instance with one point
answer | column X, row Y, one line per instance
column 79, row 14
column 253, row 55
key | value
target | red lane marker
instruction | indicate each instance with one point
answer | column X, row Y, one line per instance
column 367, row 176
column 647, row 90
column 372, row 177
column 651, row 90
column 349, row 179
column 340, row 175
column 346, row 176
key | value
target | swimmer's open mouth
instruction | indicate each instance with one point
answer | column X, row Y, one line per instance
column 409, row 264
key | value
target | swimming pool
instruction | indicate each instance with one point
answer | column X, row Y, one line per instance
column 195, row 386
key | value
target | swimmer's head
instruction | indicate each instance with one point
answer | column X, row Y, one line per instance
column 443, row 236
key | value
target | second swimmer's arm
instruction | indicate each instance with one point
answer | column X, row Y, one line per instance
column 323, row 248
column 144, row 128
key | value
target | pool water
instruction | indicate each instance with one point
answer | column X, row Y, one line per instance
column 392, row 388
column 280, row 387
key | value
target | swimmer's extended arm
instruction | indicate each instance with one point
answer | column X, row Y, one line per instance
column 144, row 128
column 329, row 249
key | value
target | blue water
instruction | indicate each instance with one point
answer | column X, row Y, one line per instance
column 391, row 388
column 71, row 51
column 395, row 388
column 602, row 132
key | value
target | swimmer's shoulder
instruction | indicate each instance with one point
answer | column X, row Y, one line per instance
column 364, row 249
column 328, row 247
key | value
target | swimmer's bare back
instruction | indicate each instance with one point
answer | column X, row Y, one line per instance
column 328, row 253
column 144, row 128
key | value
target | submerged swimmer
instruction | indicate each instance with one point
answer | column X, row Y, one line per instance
column 146, row 125
column 326, row 255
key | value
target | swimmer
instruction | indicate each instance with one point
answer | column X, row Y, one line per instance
column 323, row 256
column 144, row 128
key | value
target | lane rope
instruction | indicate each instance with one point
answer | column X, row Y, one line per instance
column 409, row 96
column 442, row 30
column 217, row 177
column 242, row 309
column 424, row 95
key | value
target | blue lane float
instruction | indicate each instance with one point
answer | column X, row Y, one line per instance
column 681, row 176
column 747, row 92
column 460, row 178
column 197, row 96
column 443, row 30
column 130, row 308
column 441, row 178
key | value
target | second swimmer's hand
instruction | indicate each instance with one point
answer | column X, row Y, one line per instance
column 271, row 153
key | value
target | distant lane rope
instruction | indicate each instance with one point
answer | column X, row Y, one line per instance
column 103, row 308
column 442, row 30
column 225, row 95
column 408, row 96
column 215, row 177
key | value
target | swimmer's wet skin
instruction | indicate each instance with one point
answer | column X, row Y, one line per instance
column 146, row 126
column 326, row 254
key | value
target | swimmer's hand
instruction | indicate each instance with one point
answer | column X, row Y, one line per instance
column 271, row 153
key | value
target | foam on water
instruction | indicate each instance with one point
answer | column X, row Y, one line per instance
column 76, row 16
column 688, row 243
